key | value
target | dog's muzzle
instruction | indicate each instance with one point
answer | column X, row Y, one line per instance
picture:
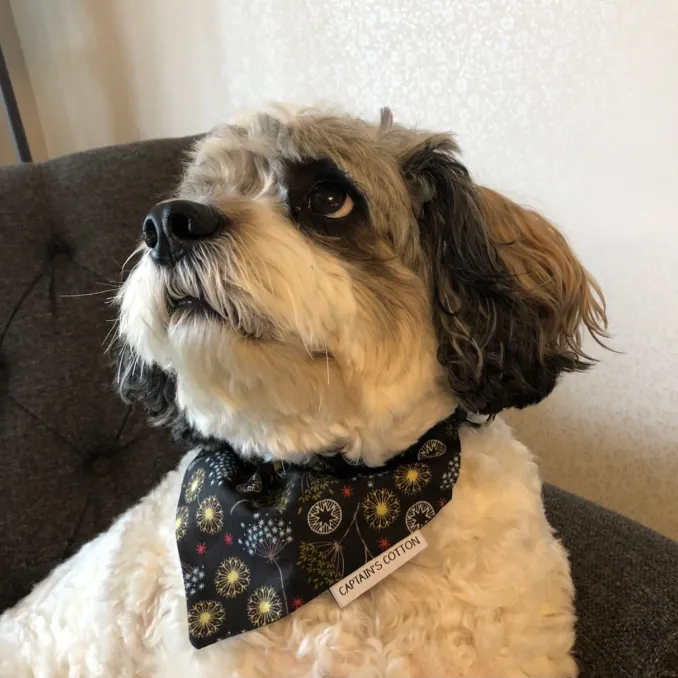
column 173, row 227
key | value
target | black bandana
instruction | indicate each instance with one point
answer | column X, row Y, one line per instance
column 257, row 540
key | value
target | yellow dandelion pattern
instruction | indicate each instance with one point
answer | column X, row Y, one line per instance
column 264, row 606
column 233, row 577
column 205, row 618
column 181, row 522
column 210, row 516
column 195, row 485
column 411, row 478
column 380, row 508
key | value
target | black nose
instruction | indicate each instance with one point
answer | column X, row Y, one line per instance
column 173, row 227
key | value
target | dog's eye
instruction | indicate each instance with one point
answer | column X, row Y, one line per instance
column 330, row 200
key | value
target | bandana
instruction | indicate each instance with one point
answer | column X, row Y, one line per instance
column 259, row 539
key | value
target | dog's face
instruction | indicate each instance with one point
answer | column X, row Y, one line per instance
column 319, row 278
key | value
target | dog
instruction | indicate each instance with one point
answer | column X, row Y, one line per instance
column 322, row 284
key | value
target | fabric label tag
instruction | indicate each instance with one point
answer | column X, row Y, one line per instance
column 372, row 572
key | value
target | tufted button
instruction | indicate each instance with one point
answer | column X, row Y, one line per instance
column 56, row 245
column 101, row 466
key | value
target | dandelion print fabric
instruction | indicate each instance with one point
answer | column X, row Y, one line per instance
column 257, row 540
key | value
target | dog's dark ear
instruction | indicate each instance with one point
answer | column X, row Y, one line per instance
column 153, row 389
column 509, row 297
column 146, row 385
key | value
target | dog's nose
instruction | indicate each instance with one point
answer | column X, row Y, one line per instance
column 173, row 227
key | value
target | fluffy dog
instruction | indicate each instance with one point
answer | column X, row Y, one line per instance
column 321, row 283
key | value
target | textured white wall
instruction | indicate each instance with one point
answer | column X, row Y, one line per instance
column 568, row 105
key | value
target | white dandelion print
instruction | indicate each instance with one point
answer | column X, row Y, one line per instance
column 194, row 485
column 221, row 467
column 263, row 606
column 449, row 478
column 254, row 484
column 205, row 618
column 210, row 516
column 380, row 508
column 431, row 449
column 232, row 578
column 181, row 522
column 411, row 478
column 267, row 538
column 418, row 515
column 324, row 516
column 194, row 580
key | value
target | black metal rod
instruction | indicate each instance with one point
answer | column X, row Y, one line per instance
column 16, row 127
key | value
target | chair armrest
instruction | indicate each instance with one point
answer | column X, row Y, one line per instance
column 626, row 581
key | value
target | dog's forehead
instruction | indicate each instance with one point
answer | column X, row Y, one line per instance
column 357, row 147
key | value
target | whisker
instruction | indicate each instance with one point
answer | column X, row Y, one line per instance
column 84, row 294
column 108, row 334
column 138, row 250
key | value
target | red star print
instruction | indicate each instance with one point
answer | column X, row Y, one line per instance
column 442, row 502
column 346, row 491
column 297, row 603
column 228, row 539
column 201, row 549
column 384, row 543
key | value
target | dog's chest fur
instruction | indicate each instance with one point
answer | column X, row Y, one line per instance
column 491, row 596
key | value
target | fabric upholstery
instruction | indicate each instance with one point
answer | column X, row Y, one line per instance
column 626, row 579
column 73, row 457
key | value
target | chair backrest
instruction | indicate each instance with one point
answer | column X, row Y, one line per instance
column 72, row 455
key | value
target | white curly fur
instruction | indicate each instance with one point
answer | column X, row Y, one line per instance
column 490, row 597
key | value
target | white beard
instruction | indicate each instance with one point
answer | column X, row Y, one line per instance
column 332, row 374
